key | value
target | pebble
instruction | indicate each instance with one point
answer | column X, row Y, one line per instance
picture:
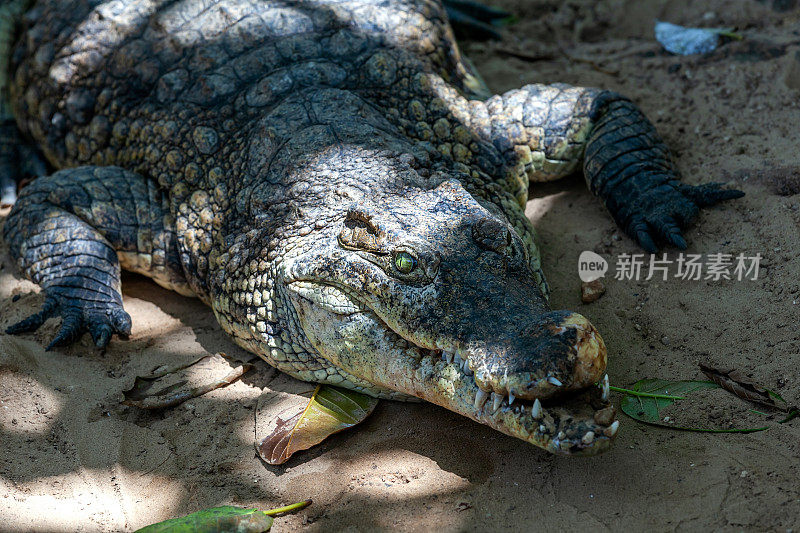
column 592, row 291
column 606, row 416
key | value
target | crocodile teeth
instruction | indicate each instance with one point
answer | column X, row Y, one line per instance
column 466, row 369
column 606, row 388
column 612, row 429
column 448, row 356
column 554, row 381
column 536, row 411
column 588, row 438
column 510, row 398
column 481, row 398
column 497, row 401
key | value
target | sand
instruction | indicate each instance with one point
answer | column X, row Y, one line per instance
column 73, row 459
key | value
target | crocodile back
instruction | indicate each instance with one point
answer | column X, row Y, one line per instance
column 119, row 82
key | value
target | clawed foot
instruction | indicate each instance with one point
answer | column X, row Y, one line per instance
column 659, row 214
column 473, row 20
column 18, row 161
column 100, row 319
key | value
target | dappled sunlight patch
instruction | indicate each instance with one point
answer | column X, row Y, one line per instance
column 26, row 406
column 537, row 208
column 152, row 322
column 90, row 500
column 399, row 474
column 11, row 285
column 405, row 472
column 373, row 489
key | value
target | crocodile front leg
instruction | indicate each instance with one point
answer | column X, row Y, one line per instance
column 548, row 131
column 70, row 233
column 628, row 165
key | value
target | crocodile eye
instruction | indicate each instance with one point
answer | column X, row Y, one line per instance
column 405, row 262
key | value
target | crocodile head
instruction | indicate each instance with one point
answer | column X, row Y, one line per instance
column 427, row 292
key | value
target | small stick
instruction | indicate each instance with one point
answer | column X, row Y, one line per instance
column 289, row 508
column 519, row 54
column 646, row 394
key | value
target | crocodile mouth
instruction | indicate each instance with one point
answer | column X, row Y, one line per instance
column 581, row 422
column 577, row 422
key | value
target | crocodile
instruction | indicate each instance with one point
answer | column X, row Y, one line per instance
column 334, row 180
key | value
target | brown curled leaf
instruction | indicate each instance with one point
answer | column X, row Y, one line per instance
column 173, row 386
column 329, row 411
column 736, row 383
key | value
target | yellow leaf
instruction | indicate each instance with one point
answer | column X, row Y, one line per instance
column 329, row 411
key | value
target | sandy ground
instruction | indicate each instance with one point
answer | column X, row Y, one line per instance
column 72, row 459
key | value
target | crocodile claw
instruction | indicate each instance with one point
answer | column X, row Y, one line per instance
column 677, row 205
column 101, row 319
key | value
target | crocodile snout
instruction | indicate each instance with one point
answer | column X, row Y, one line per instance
column 558, row 352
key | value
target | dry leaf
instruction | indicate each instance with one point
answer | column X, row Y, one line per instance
column 734, row 382
column 174, row 386
column 329, row 411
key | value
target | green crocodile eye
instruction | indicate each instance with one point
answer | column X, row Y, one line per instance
column 405, row 262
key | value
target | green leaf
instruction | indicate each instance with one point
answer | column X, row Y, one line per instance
column 218, row 519
column 223, row 519
column 794, row 413
column 329, row 411
column 508, row 21
column 728, row 32
column 647, row 409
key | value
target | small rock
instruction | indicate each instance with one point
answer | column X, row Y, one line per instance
column 592, row 290
column 665, row 340
column 686, row 41
column 606, row 416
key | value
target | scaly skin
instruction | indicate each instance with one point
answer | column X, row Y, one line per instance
column 326, row 177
